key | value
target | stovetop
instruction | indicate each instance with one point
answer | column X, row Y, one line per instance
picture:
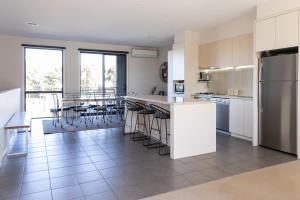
column 205, row 93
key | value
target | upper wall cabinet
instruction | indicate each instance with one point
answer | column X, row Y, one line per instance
column 224, row 53
column 277, row 32
column 230, row 52
column 265, row 34
column 207, row 55
column 287, row 30
column 242, row 49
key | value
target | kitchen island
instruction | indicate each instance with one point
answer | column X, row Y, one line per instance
column 192, row 125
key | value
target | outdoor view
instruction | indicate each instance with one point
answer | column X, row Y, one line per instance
column 93, row 72
column 43, row 77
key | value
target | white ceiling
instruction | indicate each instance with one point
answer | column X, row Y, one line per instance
column 131, row 22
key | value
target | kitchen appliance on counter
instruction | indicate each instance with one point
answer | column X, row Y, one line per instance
column 278, row 102
column 203, row 76
column 179, row 87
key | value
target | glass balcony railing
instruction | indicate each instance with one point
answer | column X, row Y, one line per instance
column 39, row 104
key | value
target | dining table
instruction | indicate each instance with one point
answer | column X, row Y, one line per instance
column 71, row 99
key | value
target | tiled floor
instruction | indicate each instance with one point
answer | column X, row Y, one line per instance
column 103, row 164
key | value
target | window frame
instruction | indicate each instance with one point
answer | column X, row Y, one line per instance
column 103, row 53
column 43, row 47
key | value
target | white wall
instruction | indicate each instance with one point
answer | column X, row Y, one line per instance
column 242, row 25
column 6, row 111
column 143, row 73
column 275, row 7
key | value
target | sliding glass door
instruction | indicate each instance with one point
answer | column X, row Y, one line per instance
column 43, row 77
column 103, row 73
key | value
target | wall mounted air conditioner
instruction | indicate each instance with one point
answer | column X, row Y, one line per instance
column 144, row 53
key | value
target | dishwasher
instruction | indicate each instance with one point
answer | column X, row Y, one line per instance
column 222, row 108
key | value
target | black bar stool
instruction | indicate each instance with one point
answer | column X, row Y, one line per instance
column 160, row 115
column 145, row 111
column 130, row 107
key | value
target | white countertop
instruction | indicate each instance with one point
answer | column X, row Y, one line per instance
column 166, row 100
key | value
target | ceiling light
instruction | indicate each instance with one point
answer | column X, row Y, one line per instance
column 32, row 24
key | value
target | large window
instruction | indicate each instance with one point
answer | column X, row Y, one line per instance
column 102, row 72
column 43, row 77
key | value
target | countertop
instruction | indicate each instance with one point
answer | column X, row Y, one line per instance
column 223, row 96
column 166, row 100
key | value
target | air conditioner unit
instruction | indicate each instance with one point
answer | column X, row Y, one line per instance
column 144, row 53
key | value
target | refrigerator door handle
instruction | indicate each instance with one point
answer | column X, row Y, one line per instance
column 260, row 73
column 261, row 94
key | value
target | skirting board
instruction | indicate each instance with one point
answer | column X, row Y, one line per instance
column 241, row 137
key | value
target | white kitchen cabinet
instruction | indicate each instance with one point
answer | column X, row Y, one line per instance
column 241, row 50
column 224, row 53
column 207, row 55
column 248, row 118
column 241, row 118
column 178, row 61
column 236, row 116
column 265, row 34
column 287, row 30
column 231, row 52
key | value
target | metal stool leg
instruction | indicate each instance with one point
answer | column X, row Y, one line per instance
column 164, row 145
column 156, row 144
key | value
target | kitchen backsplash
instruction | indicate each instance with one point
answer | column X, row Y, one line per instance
column 234, row 79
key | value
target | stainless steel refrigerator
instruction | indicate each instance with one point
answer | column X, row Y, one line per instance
column 278, row 102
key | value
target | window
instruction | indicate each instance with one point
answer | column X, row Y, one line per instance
column 43, row 77
column 101, row 72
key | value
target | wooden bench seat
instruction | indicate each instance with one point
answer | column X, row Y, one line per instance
column 20, row 120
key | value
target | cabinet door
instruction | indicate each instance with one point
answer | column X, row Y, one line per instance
column 265, row 34
column 241, row 50
column 178, row 61
column 224, row 53
column 248, row 118
column 203, row 56
column 236, row 116
column 287, row 30
column 207, row 55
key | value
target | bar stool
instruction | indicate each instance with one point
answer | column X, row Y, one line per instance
column 130, row 107
column 144, row 111
column 160, row 115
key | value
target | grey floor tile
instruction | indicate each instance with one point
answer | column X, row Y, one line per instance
column 129, row 192
column 197, row 177
column 108, row 195
column 112, row 172
column 63, row 181
column 94, row 187
column 88, row 176
column 70, row 192
column 215, row 173
column 120, row 181
column 176, row 182
column 109, row 166
column 10, row 192
column 46, row 195
column 36, row 186
column 105, row 164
